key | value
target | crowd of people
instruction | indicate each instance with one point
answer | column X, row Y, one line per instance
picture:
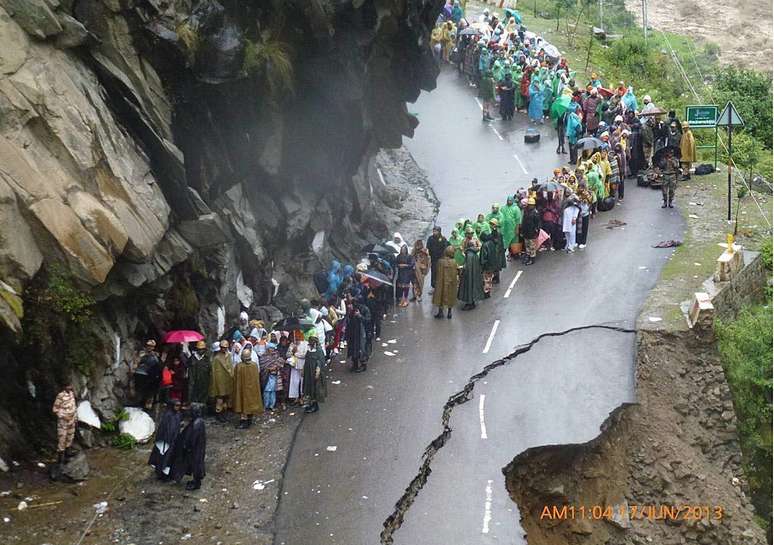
column 609, row 139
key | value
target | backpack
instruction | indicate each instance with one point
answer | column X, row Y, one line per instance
column 704, row 169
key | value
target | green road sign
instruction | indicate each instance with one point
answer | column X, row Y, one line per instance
column 701, row 116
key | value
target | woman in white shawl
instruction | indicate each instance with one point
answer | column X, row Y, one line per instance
column 396, row 243
column 296, row 359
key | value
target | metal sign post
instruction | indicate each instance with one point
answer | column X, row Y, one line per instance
column 729, row 118
column 704, row 117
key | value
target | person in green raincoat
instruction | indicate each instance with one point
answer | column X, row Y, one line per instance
column 498, row 70
column 481, row 226
column 455, row 241
column 594, row 183
column 471, row 288
column 511, row 215
column 495, row 214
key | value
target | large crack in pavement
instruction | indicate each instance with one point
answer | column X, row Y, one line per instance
column 393, row 522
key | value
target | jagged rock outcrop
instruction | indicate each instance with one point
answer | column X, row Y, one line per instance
column 178, row 159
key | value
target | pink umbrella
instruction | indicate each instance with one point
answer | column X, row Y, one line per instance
column 182, row 336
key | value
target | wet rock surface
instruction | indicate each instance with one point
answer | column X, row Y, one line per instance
column 153, row 177
column 673, row 451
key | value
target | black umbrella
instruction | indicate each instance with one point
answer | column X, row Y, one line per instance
column 293, row 323
column 590, row 142
column 470, row 31
column 377, row 276
column 378, row 249
column 661, row 153
column 550, row 185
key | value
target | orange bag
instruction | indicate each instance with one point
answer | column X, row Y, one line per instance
column 516, row 248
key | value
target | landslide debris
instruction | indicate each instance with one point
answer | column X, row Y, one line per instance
column 677, row 446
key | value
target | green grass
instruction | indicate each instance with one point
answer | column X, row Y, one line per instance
column 681, row 276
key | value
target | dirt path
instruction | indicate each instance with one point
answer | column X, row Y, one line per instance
column 742, row 29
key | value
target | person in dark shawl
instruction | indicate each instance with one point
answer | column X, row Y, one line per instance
column 507, row 96
column 492, row 256
column 199, row 374
column 147, row 375
column 472, row 284
column 166, row 434
column 189, row 450
column 436, row 245
column 314, row 376
column 247, row 390
column 358, row 317
column 405, row 264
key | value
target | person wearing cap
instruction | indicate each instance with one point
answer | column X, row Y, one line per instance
column 246, row 393
column 670, row 172
column 687, row 151
column 147, row 375
column 221, row 380
column 314, row 376
column 65, row 408
column 436, row 244
column 199, row 369
column 530, row 229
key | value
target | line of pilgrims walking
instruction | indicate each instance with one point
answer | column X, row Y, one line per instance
column 252, row 369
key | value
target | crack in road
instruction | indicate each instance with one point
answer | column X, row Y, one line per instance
column 393, row 522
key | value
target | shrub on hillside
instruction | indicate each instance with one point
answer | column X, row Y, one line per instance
column 745, row 347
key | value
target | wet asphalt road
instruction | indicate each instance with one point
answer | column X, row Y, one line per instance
column 559, row 392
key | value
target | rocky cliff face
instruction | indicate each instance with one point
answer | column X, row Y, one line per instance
column 167, row 163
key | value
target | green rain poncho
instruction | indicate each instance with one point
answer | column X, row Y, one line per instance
column 472, row 284
column 594, row 182
column 481, row 227
column 498, row 70
column 455, row 241
column 511, row 215
column 495, row 215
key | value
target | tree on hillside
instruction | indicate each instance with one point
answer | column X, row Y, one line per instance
column 751, row 93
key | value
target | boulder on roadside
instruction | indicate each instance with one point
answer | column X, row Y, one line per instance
column 74, row 469
column 139, row 425
column 87, row 415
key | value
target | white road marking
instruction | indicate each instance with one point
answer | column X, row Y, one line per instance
column 497, row 133
column 520, row 163
column 480, row 106
column 481, row 416
column 513, row 283
column 381, row 178
column 487, row 508
column 491, row 336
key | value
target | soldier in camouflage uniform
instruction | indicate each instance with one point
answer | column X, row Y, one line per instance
column 65, row 410
column 670, row 170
